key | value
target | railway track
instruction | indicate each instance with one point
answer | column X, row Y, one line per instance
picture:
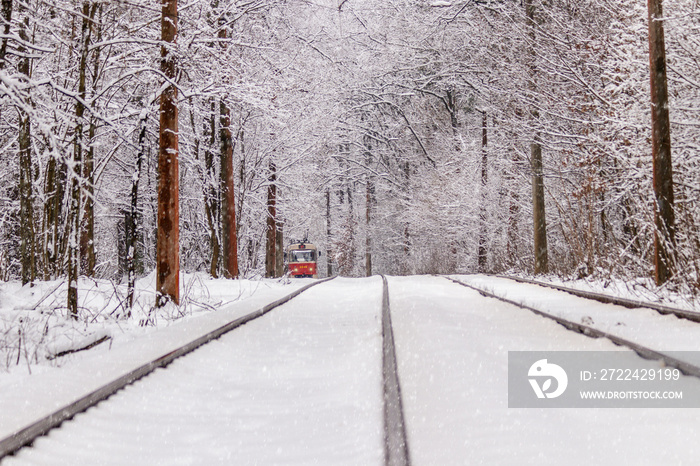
column 686, row 367
column 396, row 451
column 462, row 318
column 29, row 433
column 608, row 299
column 394, row 431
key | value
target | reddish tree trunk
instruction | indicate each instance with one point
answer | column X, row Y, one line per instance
column 228, row 210
column 168, row 247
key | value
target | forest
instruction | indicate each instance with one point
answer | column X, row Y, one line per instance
column 400, row 136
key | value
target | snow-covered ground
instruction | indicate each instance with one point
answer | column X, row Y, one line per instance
column 642, row 289
column 302, row 385
column 643, row 326
column 296, row 386
column 452, row 351
column 35, row 327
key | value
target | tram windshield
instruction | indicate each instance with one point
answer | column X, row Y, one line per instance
column 302, row 255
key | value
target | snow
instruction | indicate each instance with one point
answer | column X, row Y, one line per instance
column 51, row 389
column 641, row 289
column 644, row 326
column 452, row 346
column 299, row 385
column 302, row 384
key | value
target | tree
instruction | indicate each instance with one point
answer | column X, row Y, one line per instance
column 664, row 218
column 74, row 216
column 168, row 243
column 228, row 208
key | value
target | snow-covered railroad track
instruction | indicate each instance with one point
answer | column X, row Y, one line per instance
column 396, row 451
column 302, row 385
column 587, row 326
column 29, row 433
column 605, row 298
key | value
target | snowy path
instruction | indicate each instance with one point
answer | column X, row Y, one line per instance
column 301, row 385
column 452, row 347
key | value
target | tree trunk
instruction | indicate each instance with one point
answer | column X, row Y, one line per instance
column 131, row 224
column 211, row 192
column 75, row 179
column 512, row 253
column 7, row 22
column 271, row 243
column 26, row 200
column 26, row 196
column 369, row 200
column 482, row 254
column 329, row 264
column 538, row 210
column 279, row 250
column 87, row 234
column 228, row 198
column 664, row 234
column 168, row 241
column 53, row 187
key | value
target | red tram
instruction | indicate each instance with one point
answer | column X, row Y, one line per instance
column 301, row 260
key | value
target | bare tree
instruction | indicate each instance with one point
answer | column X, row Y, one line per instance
column 271, row 242
column 664, row 217
column 88, row 15
column 228, row 201
column 482, row 253
column 538, row 209
column 168, row 241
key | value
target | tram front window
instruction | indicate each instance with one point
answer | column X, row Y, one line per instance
column 302, row 256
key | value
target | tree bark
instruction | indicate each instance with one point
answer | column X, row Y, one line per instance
column 279, row 250
column 211, row 192
column 228, row 198
column 76, row 182
column 538, row 212
column 168, row 237
column 538, row 209
column 664, row 216
column 369, row 200
column 271, row 243
column 131, row 224
column 87, row 234
column 7, row 22
column 26, row 201
column 329, row 264
column 26, row 196
column 482, row 254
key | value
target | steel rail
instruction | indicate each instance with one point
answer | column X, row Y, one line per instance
column 28, row 434
column 647, row 353
column 395, row 440
column 608, row 299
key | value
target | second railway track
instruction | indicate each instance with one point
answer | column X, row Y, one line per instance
column 605, row 298
column 687, row 367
